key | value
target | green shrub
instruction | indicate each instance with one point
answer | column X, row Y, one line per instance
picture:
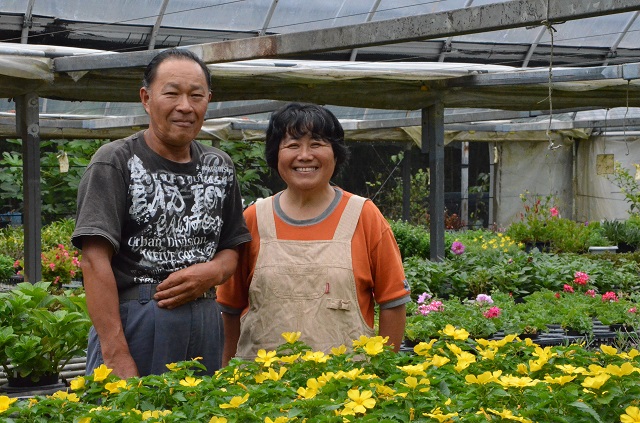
column 413, row 240
column 6, row 267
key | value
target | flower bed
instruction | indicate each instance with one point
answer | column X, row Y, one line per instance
column 447, row 380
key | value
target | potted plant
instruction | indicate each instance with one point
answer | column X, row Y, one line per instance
column 40, row 332
column 617, row 313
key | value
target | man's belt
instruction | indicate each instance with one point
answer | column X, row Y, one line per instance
column 145, row 293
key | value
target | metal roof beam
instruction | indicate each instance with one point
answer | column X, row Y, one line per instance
column 143, row 120
column 489, row 17
column 628, row 71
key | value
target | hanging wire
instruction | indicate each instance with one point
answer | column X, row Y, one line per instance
column 387, row 180
column 551, row 30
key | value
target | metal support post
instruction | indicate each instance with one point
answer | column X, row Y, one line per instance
column 433, row 143
column 27, row 125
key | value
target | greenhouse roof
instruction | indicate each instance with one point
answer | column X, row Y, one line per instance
column 374, row 55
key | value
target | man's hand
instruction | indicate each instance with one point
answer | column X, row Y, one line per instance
column 103, row 306
column 189, row 283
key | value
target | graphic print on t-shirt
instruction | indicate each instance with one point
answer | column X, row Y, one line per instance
column 178, row 216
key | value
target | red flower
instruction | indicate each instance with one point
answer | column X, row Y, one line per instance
column 610, row 296
column 580, row 278
column 568, row 288
column 492, row 313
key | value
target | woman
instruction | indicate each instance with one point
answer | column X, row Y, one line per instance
column 319, row 255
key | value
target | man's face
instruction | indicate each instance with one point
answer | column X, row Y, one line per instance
column 176, row 102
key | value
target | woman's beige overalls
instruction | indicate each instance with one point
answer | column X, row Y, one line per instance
column 305, row 286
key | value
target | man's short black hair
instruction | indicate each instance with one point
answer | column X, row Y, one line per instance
column 173, row 53
column 297, row 120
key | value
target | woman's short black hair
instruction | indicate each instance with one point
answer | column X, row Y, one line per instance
column 297, row 120
column 173, row 53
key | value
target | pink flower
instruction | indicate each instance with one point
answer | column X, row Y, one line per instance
column 633, row 310
column 580, row 278
column 425, row 309
column 568, row 288
column 492, row 313
column 52, row 266
column 591, row 293
column 610, row 296
column 457, row 248
column 484, row 298
column 553, row 211
column 16, row 264
column 422, row 298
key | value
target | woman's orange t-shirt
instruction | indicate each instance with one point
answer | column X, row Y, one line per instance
column 377, row 264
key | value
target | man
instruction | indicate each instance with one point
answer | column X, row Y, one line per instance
column 159, row 219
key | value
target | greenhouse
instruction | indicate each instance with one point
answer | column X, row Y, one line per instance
column 501, row 139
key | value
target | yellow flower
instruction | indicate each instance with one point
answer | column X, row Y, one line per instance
column 437, row 414
column 65, row 396
column 464, row 360
column 154, row 414
column 342, row 349
column 508, row 414
column 373, row 347
column 291, row 337
column 190, row 381
column 568, row 368
column 383, row 390
column 288, row 359
column 560, row 380
column 352, row 374
column 115, row 387
column 173, row 367
column 280, row 419
column 459, row 334
column 307, row 393
column 609, row 350
column 595, row 382
column 271, row 375
column 487, row 354
column 266, row 358
column 216, row 419
column 360, row 401
column 535, row 365
column 413, row 370
column 624, row 370
column 77, row 383
column 235, row 402
column 454, row 348
column 439, row 360
column 317, row 356
column 100, row 373
column 413, row 383
column 85, row 420
column 517, row 382
column 5, row 402
column 423, row 348
column 360, row 342
column 632, row 415
column 484, row 378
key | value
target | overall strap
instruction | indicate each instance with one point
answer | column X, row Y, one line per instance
column 265, row 219
column 349, row 219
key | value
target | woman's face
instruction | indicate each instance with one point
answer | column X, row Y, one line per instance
column 304, row 163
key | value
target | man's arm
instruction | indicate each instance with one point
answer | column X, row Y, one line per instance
column 189, row 283
column 391, row 324
column 231, row 335
column 104, row 307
